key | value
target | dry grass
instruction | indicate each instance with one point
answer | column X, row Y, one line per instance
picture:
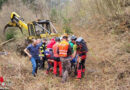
column 107, row 67
column 106, row 51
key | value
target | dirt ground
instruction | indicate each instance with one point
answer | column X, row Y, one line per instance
column 107, row 68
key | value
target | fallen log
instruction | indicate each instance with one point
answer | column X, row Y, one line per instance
column 3, row 43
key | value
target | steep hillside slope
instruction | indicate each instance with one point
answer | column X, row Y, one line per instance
column 107, row 67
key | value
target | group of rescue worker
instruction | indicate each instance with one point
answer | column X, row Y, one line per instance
column 62, row 54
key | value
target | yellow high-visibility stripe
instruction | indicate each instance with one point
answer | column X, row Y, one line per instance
column 41, row 55
column 42, row 50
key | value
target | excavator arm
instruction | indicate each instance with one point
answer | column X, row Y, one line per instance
column 10, row 24
column 16, row 21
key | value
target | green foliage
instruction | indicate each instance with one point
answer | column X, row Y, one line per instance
column 67, row 29
column 2, row 2
column 54, row 14
column 66, row 25
column 66, row 21
column 10, row 34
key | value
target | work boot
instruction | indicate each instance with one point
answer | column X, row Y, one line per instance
column 83, row 70
column 60, row 75
column 34, row 75
column 51, row 70
column 75, row 72
column 79, row 74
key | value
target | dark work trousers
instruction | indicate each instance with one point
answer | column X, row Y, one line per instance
column 81, row 66
column 50, row 65
column 66, row 67
column 42, row 63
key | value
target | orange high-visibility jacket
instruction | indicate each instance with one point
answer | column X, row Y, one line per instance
column 55, row 50
column 63, row 48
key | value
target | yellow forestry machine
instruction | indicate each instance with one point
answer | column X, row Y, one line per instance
column 36, row 29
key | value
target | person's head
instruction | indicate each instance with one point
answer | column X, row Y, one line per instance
column 53, row 39
column 73, row 39
column 57, row 39
column 34, row 42
column 61, row 38
column 44, row 40
column 78, row 41
column 38, row 41
column 65, row 37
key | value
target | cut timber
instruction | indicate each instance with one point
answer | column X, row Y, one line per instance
column 3, row 43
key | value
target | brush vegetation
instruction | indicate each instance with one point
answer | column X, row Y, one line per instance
column 105, row 26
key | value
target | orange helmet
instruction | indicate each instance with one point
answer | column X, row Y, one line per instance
column 65, row 35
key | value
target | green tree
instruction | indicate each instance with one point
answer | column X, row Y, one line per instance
column 66, row 25
column 10, row 34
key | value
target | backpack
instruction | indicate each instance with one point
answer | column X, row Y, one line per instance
column 81, row 45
